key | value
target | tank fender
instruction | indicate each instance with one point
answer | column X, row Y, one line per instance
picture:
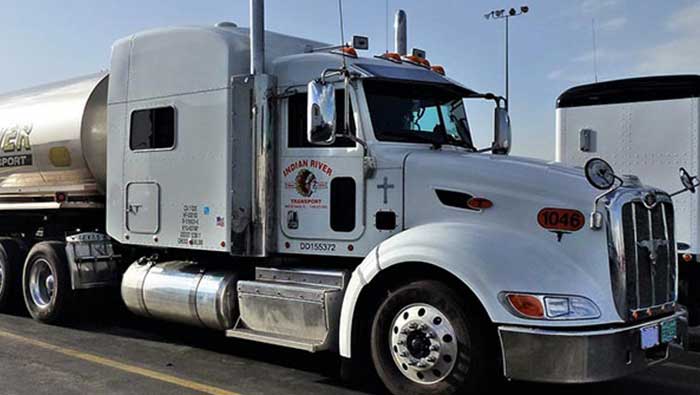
column 488, row 260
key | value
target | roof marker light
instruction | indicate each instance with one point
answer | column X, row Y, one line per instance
column 438, row 69
column 391, row 56
column 346, row 51
column 417, row 61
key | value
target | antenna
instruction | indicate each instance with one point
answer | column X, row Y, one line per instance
column 386, row 27
column 342, row 31
column 595, row 51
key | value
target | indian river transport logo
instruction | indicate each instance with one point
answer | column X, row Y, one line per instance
column 305, row 182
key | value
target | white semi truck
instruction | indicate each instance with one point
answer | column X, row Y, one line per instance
column 289, row 192
column 646, row 126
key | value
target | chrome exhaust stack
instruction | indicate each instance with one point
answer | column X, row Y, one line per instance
column 257, row 37
column 262, row 241
column 400, row 32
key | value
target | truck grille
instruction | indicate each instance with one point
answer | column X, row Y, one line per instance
column 648, row 257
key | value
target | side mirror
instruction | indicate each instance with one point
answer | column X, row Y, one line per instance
column 690, row 183
column 321, row 113
column 502, row 134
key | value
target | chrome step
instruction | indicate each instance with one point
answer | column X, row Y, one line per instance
column 329, row 278
column 277, row 340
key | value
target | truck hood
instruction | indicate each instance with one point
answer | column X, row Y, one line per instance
column 506, row 242
column 512, row 183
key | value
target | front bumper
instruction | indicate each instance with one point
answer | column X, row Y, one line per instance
column 557, row 356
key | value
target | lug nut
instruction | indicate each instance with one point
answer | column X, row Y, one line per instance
column 403, row 354
column 432, row 359
column 430, row 335
column 423, row 327
column 422, row 364
column 435, row 347
column 400, row 343
column 412, row 325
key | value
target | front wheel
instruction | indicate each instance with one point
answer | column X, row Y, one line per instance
column 426, row 340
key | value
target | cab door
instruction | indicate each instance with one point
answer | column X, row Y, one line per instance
column 322, row 187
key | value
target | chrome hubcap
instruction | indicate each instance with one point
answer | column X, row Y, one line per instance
column 41, row 283
column 423, row 344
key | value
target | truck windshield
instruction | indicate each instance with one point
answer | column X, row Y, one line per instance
column 417, row 113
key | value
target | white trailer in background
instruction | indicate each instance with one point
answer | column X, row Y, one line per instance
column 648, row 127
column 291, row 192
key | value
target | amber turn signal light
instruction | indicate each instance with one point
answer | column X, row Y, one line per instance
column 476, row 203
column 526, row 305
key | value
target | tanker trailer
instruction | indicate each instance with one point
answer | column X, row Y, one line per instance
column 53, row 140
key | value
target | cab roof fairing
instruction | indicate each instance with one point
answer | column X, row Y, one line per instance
column 297, row 70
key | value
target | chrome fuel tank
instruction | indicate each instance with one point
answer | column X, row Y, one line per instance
column 183, row 292
column 53, row 138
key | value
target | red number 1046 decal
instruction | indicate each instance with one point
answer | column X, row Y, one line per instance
column 561, row 219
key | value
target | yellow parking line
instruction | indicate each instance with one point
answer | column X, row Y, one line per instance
column 207, row 389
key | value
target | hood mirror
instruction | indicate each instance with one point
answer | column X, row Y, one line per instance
column 502, row 133
column 321, row 120
column 599, row 173
column 689, row 182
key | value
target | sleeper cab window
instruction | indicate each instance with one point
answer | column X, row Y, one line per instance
column 296, row 126
column 152, row 128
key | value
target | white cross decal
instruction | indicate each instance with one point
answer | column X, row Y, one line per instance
column 386, row 186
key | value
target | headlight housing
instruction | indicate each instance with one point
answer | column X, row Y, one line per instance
column 550, row 307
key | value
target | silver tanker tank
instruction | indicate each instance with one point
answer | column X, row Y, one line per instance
column 53, row 138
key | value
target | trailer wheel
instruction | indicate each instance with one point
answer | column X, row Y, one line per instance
column 426, row 340
column 10, row 270
column 46, row 282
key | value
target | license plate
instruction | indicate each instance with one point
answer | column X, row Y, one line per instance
column 669, row 331
column 650, row 337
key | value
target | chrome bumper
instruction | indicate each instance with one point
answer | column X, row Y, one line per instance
column 557, row 356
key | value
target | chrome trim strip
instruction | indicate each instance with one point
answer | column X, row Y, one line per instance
column 636, row 254
column 669, row 248
column 652, row 266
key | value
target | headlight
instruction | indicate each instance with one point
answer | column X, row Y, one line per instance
column 550, row 307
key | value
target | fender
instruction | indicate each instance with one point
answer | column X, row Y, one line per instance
column 490, row 260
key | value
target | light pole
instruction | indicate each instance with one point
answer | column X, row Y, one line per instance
column 503, row 14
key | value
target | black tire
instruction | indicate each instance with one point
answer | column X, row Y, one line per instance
column 10, row 274
column 472, row 368
column 49, row 255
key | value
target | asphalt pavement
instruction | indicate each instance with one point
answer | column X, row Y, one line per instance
column 122, row 354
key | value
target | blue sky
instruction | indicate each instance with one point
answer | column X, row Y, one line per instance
column 551, row 46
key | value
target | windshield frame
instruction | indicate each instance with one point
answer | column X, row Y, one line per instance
column 408, row 136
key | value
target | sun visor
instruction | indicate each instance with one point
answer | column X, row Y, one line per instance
column 410, row 74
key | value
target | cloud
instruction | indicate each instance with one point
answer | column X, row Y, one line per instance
column 569, row 77
column 681, row 54
column 603, row 55
column 555, row 74
column 613, row 24
column 595, row 6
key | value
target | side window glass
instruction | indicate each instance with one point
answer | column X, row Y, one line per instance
column 152, row 129
column 425, row 119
